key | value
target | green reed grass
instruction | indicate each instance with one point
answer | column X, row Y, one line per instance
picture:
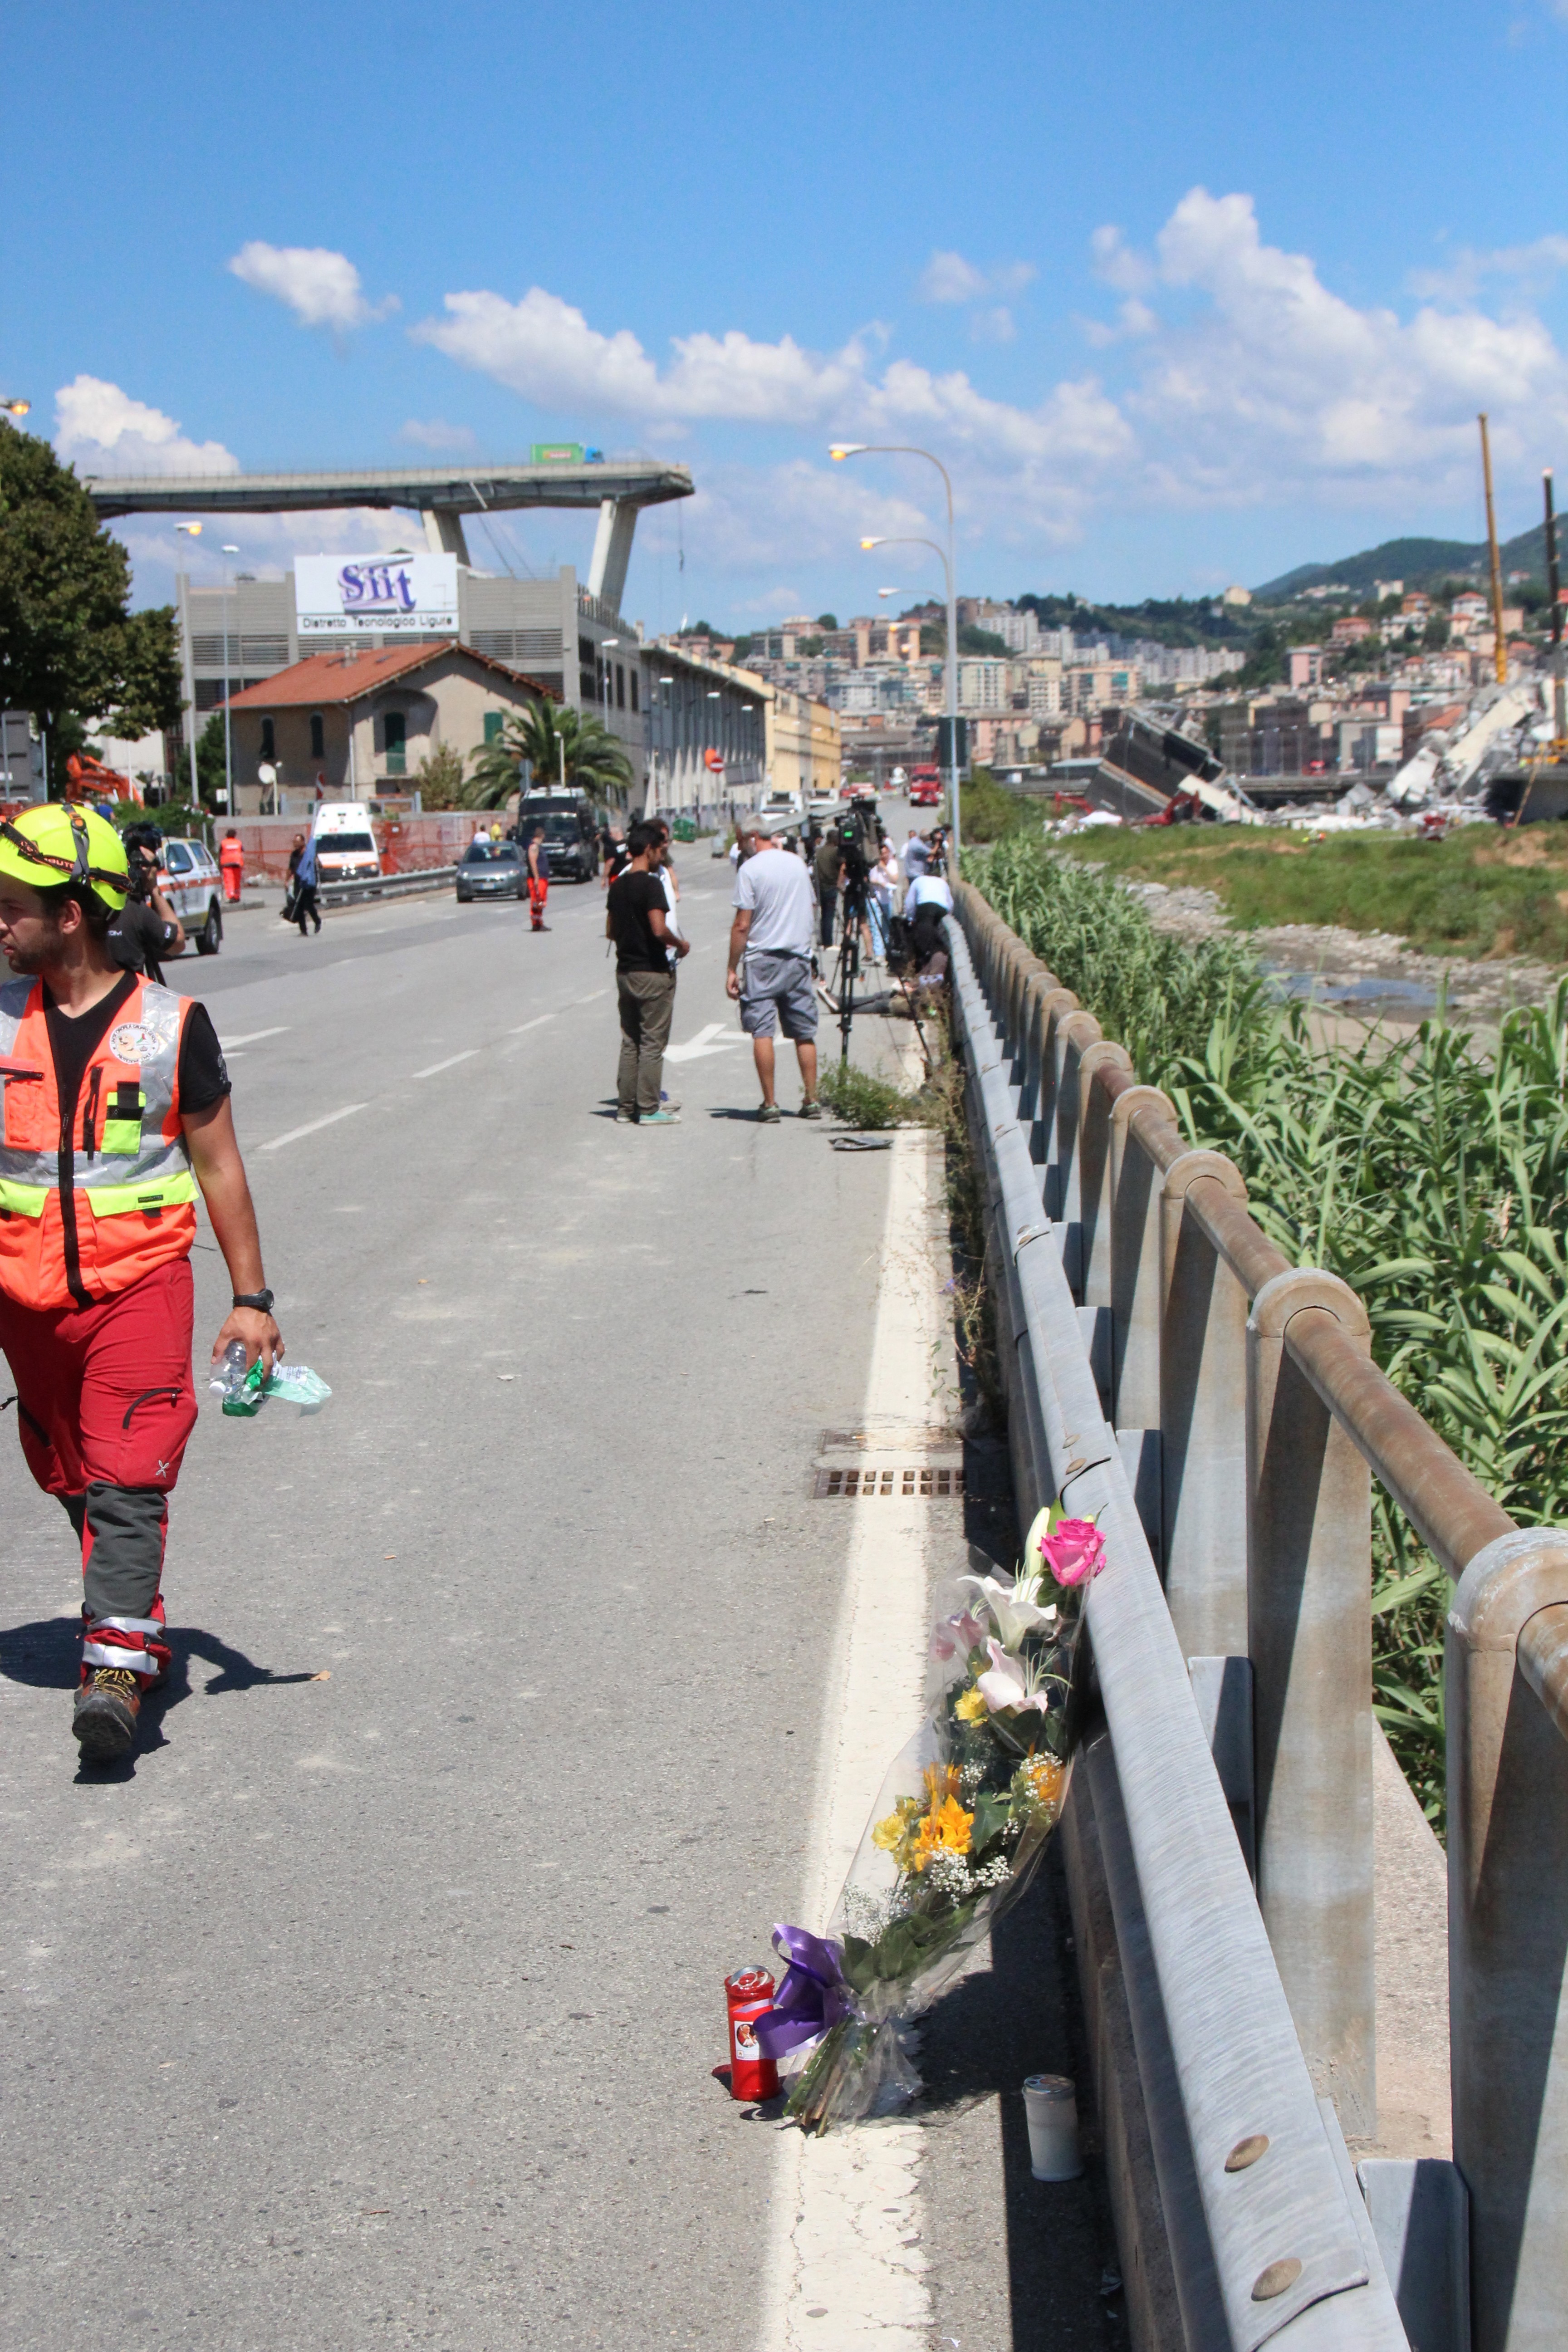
column 1431, row 1175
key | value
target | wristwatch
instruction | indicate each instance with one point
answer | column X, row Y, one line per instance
column 261, row 1299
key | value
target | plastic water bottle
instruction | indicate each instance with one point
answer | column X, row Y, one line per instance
column 297, row 1384
column 240, row 1390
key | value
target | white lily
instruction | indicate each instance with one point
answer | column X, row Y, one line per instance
column 1011, row 1683
column 1013, row 1608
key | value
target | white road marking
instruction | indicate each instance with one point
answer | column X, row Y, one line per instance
column 312, row 1125
column 591, row 999
column 254, row 1036
column 450, row 1062
column 847, row 2206
column 538, row 1021
column 713, row 1039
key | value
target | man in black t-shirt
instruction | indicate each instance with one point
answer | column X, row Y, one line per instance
column 636, row 918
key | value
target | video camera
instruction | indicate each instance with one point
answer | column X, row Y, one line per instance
column 144, row 868
column 858, row 833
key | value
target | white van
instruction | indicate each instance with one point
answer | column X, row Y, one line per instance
column 345, row 844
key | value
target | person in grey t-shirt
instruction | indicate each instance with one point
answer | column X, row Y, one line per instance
column 770, row 960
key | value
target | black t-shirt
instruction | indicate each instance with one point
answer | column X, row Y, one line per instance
column 632, row 898
column 138, row 936
column 74, row 1039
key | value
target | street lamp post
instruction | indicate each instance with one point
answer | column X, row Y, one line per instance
column 838, row 452
column 227, row 744
column 951, row 667
column 194, row 530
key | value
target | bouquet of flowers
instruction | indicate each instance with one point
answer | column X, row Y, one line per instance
column 960, row 1823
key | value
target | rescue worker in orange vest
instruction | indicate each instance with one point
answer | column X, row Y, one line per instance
column 116, row 1108
column 231, row 858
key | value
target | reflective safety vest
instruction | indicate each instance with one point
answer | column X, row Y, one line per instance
column 231, row 853
column 86, row 1213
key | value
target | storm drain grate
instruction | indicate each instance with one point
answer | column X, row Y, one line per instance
column 913, row 1482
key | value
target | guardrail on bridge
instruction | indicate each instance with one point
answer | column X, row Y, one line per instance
column 1169, row 1369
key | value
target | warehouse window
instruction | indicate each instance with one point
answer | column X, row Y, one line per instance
column 318, row 736
column 269, row 742
column 396, row 743
column 634, row 690
column 620, row 688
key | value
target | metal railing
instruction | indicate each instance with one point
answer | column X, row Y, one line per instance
column 386, row 885
column 1169, row 1368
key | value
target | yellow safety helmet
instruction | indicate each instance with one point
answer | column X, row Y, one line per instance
column 54, row 843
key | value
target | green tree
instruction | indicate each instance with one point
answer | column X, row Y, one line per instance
column 209, row 760
column 438, row 779
column 562, row 746
column 827, row 620
column 69, row 644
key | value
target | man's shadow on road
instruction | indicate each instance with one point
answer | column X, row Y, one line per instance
column 46, row 1655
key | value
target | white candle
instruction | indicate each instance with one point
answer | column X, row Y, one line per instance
column 1050, row 2104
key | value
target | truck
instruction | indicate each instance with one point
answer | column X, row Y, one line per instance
column 925, row 787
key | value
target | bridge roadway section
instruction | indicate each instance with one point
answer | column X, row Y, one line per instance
column 381, row 2009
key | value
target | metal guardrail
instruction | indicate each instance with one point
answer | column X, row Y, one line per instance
column 386, row 885
column 1221, row 1405
column 1260, row 2248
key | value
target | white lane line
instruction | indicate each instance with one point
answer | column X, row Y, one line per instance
column 254, row 1037
column 846, row 2210
column 450, row 1063
column 591, row 999
column 537, row 1022
column 312, row 1125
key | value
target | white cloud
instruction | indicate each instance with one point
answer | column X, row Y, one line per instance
column 1118, row 265
column 322, row 287
column 434, row 433
column 1533, row 266
column 545, row 349
column 991, row 326
column 949, row 277
column 102, row 430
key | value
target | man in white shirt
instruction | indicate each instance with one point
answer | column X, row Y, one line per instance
column 770, row 960
column 928, row 903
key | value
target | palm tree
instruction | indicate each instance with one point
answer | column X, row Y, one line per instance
column 562, row 746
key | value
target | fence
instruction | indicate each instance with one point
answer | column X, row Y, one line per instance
column 1170, row 1368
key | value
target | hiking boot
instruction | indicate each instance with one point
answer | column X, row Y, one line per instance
column 107, row 1707
column 769, row 1115
column 660, row 1119
column 811, row 1108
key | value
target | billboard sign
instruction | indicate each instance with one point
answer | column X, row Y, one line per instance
column 375, row 596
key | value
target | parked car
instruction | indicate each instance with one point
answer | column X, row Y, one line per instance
column 491, row 869
column 189, row 878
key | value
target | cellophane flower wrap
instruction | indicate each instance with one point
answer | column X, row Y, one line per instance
column 957, row 1833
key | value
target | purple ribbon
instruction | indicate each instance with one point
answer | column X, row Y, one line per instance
column 812, row 1998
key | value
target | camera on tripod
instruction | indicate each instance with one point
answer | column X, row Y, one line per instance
column 859, row 836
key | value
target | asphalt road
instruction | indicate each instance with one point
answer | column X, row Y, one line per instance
column 381, row 2009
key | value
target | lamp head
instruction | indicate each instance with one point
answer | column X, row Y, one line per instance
column 867, row 543
column 191, row 529
column 16, row 407
column 842, row 449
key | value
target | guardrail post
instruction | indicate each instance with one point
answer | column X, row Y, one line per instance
column 1094, row 1165
column 1054, row 1008
column 1508, row 1944
column 1309, row 1639
column 1074, row 1036
column 1134, row 1223
column 1203, row 1418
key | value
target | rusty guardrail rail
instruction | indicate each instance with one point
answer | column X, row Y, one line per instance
column 1237, row 1396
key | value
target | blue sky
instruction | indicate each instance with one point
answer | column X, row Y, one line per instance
column 1183, row 296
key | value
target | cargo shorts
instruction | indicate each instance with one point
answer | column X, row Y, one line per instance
column 776, row 991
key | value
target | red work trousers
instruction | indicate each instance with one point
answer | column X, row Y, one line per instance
column 538, row 891
column 233, row 879
column 105, row 1405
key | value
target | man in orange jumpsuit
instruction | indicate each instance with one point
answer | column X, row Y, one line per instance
column 116, row 1110
column 231, row 857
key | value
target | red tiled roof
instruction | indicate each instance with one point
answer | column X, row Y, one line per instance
column 323, row 678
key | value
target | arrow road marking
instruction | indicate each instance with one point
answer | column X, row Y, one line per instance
column 713, row 1039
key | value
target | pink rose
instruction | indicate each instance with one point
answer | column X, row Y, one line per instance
column 1074, row 1551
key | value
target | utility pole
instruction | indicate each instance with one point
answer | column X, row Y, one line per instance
column 1499, row 653
column 1553, row 590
